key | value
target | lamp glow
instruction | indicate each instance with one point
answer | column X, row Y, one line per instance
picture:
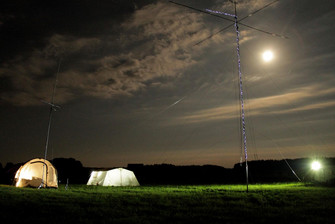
column 316, row 166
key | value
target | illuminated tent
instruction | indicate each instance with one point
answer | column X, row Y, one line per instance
column 114, row 177
column 30, row 174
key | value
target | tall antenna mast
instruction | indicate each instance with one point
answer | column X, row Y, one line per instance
column 236, row 24
column 53, row 108
column 244, row 135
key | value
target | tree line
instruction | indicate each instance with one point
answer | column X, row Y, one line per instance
column 72, row 171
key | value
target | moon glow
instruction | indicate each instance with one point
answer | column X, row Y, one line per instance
column 267, row 56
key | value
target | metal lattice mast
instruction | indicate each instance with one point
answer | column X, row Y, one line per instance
column 244, row 134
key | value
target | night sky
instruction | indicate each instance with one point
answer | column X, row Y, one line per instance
column 134, row 88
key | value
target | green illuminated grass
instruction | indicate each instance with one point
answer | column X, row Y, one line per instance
column 271, row 203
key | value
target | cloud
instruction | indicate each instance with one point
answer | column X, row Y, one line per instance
column 62, row 46
column 242, row 6
column 301, row 99
column 32, row 78
column 154, row 42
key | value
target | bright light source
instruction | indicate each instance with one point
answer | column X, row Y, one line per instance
column 267, row 56
column 316, row 166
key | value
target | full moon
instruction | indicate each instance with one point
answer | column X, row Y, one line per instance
column 267, row 56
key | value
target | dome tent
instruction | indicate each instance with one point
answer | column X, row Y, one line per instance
column 114, row 177
column 30, row 174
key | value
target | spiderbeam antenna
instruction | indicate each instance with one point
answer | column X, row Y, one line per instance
column 236, row 23
column 53, row 107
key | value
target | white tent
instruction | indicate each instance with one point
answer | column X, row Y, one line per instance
column 30, row 174
column 114, row 177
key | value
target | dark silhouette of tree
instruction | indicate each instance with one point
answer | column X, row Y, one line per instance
column 70, row 170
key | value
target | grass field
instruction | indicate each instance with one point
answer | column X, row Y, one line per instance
column 275, row 203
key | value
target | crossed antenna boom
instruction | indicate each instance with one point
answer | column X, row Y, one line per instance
column 231, row 20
